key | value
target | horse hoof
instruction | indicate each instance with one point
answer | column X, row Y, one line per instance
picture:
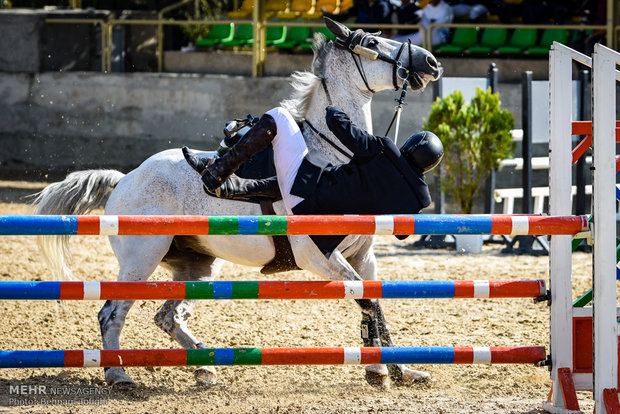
column 206, row 376
column 411, row 376
column 116, row 377
column 377, row 376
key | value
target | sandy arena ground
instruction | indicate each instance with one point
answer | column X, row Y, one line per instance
column 320, row 389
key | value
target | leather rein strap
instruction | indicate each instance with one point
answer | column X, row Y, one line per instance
column 323, row 136
column 284, row 259
column 349, row 44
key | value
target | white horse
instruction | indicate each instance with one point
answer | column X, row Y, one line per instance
column 346, row 72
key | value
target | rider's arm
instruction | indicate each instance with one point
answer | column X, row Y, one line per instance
column 358, row 141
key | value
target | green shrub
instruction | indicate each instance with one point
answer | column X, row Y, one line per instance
column 475, row 136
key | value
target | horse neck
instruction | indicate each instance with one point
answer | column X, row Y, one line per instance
column 346, row 95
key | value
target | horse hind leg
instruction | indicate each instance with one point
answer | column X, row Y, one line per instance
column 138, row 257
column 172, row 317
column 111, row 321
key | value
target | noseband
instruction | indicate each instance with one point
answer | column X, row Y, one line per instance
column 353, row 44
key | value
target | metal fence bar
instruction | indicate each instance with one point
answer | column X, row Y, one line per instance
column 107, row 29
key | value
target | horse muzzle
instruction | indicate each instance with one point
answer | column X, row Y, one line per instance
column 420, row 79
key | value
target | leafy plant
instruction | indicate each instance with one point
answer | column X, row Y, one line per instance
column 476, row 137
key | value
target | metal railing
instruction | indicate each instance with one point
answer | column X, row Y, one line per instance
column 259, row 48
column 509, row 26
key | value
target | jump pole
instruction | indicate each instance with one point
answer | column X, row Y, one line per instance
column 433, row 224
column 178, row 290
column 271, row 356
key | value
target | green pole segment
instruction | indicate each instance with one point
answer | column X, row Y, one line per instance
column 583, row 300
column 240, row 356
column 272, row 225
column 238, row 290
column 199, row 290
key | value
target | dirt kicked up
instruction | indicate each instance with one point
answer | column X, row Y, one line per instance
column 273, row 323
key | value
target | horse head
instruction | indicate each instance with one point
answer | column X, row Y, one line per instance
column 413, row 63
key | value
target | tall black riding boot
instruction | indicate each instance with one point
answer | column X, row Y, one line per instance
column 215, row 172
column 236, row 188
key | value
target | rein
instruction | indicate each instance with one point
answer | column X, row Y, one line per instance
column 323, row 136
column 329, row 141
column 353, row 45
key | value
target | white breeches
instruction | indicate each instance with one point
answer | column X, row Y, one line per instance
column 289, row 150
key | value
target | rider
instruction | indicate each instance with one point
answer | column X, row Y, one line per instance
column 379, row 178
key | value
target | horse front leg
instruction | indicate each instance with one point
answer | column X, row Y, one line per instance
column 399, row 373
column 365, row 263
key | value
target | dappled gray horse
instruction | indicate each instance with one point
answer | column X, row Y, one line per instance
column 346, row 72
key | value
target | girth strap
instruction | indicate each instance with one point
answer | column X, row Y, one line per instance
column 284, row 260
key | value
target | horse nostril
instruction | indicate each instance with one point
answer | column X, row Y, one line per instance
column 431, row 62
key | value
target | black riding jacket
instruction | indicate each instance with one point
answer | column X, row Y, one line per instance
column 377, row 180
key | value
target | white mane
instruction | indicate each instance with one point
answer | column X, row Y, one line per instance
column 304, row 83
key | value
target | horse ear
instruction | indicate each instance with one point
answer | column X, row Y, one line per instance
column 340, row 30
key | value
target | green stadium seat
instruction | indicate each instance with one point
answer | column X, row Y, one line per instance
column 217, row 33
column 521, row 40
column 243, row 34
column 548, row 37
column 273, row 34
column 491, row 39
column 463, row 38
column 294, row 37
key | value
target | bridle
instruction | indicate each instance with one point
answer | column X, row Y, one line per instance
column 354, row 45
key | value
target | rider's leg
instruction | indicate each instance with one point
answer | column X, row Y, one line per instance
column 237, row 188
column 277, row 127
column 289, row 150
column 215, row 172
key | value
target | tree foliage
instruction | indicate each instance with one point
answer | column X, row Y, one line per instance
column 476, row 137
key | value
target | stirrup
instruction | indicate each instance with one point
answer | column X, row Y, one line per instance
column 236, row 125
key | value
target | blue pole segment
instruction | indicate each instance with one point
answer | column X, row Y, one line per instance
column 224, row 356
column 417, row 289
column 222, row 290
column 450, row 224
column 32, row 359
column 248, row 225
column 417, row 355
column 30, row 290
column 38, row 225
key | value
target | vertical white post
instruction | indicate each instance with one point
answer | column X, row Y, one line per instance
column 560, row 177
column 605, row 328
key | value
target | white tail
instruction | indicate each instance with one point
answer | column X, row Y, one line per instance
column 79, row 193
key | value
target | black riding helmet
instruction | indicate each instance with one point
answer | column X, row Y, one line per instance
column 423, row 151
